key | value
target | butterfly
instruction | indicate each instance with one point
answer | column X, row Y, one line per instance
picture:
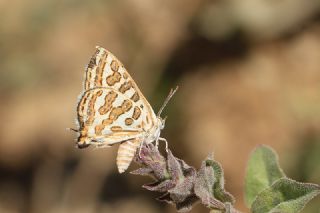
column 112, row 110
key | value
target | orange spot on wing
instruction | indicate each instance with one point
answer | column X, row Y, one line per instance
column 106, row 122
column 116, row 128
column 128, row 121
column 115, row 113
column 100, row 69
column 90, row 68
column 98, row 129
column 126, row 105
column 136, row 113
column 114, row 66
column 113, row 79
column 125, row 75
column 91, row 111
column 108, row 101
column 135, row 97
column 125, row 87
column 82, row 104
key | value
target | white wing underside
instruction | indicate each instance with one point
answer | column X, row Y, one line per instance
column 110, row 134
column 104, row 65
column 112, row 109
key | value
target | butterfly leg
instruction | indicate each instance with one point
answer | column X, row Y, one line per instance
column 165, row 140
column 140, row 148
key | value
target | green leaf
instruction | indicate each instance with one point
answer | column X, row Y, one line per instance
column 262, row 170
column 285, row 196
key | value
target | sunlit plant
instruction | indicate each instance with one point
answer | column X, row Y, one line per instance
column 267, row 189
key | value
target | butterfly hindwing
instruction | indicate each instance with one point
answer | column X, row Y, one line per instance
column 109, row 116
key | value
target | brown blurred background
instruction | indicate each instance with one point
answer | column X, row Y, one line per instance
column 248, row 71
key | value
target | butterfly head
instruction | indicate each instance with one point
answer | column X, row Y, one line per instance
column 83, row 142
column 162, row 122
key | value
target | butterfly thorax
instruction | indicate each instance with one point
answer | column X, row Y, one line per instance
column 154, row 133
column 83, row 141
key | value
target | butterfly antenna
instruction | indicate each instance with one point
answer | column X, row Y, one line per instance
column 71, row 129
column 171, row 93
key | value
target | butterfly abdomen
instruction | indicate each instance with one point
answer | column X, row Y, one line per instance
column 126, row 153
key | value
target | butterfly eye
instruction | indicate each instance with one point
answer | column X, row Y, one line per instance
column 163, row 122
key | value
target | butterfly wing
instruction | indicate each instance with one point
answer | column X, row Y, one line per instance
column 112, row 109
column 105, row 70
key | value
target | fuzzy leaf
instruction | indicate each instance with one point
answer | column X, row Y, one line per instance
column 286, row 196
column 143, row 171
column 187, row 170
column 186, row 205
column 183, row 176
column 151, row 158
column 219, row 192
column 174, row 167
column 177, row 180
column 263, row 169
column 182, row 190
column 165, row 198
column 163, row 186
column 204, row 187
column 209, row 185
column 204, row 181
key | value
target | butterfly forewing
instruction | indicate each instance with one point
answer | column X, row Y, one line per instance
column 105, row 70
column 112, row 109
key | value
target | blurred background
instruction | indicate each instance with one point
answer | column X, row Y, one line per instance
column 248, row 72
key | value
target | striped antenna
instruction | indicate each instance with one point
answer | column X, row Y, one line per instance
column 171, row 93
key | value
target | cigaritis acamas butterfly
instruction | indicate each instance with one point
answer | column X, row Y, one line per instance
column 112, row 110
